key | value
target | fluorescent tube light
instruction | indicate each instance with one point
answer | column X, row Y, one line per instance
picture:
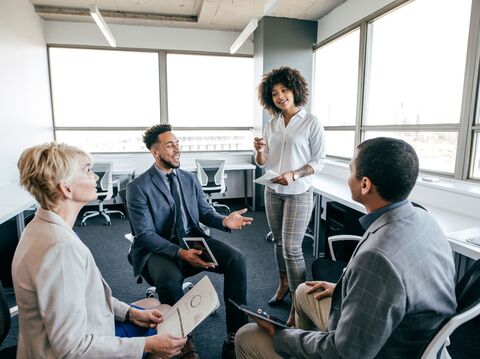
column 249, row 29
column 269, row 7
column 102, row 25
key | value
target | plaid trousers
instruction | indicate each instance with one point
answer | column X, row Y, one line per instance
column 288, row 216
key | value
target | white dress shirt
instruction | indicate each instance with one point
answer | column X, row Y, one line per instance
column 290, row 148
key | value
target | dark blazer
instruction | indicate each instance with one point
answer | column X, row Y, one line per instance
column 152, row 215
column 396, row 290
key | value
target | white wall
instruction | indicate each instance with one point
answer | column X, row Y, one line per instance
column 144, row 37
column 347, row 14
column 25, row 114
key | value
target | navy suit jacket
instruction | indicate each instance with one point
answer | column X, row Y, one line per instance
column 152, row 214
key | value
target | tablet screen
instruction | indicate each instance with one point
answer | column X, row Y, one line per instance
column 260, row 313
column 201, row 244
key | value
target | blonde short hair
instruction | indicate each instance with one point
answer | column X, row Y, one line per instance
column 43, row 167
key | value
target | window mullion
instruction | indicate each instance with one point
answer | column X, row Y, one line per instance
column 470, row 92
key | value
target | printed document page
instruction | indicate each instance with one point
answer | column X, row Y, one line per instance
column 190, row 310
column 266, row 180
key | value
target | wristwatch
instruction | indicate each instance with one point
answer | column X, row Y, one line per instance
column 296, row 175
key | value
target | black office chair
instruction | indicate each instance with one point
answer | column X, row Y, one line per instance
column 467, row 293
column 6, row 315
column 341, row 248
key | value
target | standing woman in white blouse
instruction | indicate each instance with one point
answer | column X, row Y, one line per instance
column 293, row 145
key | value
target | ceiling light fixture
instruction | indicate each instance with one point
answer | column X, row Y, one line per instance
column 269, row 7
column 102, row 25
column 249, row 29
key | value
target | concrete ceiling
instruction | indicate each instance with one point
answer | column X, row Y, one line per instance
column 230, row 15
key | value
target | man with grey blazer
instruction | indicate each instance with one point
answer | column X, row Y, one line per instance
column 167, row 204
column 397, row 288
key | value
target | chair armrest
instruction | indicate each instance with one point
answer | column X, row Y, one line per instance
column 340, row 237
column 129, row 236
column 13, row 311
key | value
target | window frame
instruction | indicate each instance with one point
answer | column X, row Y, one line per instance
column 163, row 100
column 469, row 123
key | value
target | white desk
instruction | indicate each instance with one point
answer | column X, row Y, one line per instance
column 13, row 201
column 337, row 190
column 246, row 167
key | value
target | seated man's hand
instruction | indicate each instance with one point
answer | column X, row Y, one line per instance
column 145, row 318
column 235, row 220
column 268, row 327
column 165, row 345
column 192, row 256
column 320, row 289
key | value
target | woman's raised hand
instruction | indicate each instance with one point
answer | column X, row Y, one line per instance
column 259, row 144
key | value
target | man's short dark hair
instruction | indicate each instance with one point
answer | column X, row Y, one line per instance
column 150, row 136
column 391, row 164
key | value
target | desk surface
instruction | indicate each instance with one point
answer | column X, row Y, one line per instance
column 191, row 168
column 228, row 167
column 337, row 190
column 13, row 200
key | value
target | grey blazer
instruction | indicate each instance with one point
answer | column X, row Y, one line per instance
column 152, row 215
column 396, row 290
column 66, row 309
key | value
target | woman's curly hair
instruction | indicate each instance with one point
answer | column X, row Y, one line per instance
column 288, row 77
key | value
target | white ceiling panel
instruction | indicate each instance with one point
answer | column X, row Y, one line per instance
column 203, row 14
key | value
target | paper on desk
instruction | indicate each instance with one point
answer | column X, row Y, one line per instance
column 190, row 310
column 266, row 180
column 465, row 234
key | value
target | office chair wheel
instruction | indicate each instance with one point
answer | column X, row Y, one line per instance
column 83, row 224
column 122, row 216
column 109, row 223
column 151, row 293
column 269, row 237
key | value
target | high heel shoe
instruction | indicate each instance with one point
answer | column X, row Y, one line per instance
column 277, row 301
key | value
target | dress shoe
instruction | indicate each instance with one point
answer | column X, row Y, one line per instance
column 277, row 301
column 228, row 349
column 189, row 351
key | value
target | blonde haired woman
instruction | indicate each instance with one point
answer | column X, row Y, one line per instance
column 66, row 309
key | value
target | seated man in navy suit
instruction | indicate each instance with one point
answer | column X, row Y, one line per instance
column 167, row 204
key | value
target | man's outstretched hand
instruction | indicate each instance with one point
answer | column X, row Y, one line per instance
column 235, row 220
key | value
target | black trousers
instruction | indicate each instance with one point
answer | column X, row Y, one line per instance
column 167, row 275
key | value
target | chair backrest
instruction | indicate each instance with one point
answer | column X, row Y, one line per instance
column 105, row 181
column 5, row 319
column 468, row 307
column 211, row 173
column 344, row 251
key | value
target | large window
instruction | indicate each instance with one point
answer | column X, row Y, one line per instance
column 94, row 90
column 103, row 99
column 411, row 68
column 207, row 91
column 335, row 92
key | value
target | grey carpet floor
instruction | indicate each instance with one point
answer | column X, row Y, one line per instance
column 109, row 249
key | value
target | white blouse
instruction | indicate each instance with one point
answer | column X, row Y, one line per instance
column 292, row 147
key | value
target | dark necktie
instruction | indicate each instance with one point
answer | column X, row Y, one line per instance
column 178, row 206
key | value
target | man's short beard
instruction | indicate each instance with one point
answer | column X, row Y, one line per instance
column 168, row 164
